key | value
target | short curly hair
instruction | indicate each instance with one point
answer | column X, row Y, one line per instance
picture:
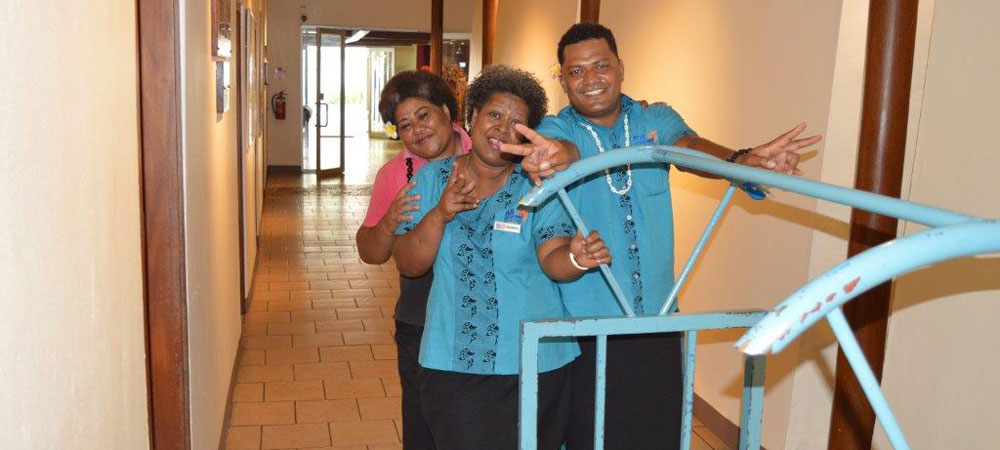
column 415, row 84
column 504, row 79
column 585, row 31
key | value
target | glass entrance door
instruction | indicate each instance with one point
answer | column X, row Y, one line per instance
column 329, row 103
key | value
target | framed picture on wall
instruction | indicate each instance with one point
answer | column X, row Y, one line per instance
column 222, row 28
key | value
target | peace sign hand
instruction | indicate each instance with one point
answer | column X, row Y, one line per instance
column 543, row 157
column 779, row 154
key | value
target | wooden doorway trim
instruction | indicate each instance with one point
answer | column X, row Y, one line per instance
column 437, row 35
column 162, row 196
column 590, row 10
column 489, row 30
column 892, row 26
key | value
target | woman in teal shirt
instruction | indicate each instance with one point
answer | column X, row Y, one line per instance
column 494, row 266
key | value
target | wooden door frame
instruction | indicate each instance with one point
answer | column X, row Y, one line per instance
column 163, row 234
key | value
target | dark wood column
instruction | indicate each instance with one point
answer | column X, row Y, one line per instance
column 489, row 30
column 885, row 110
column 437, row 34
column 162, row 194
column 590, row 10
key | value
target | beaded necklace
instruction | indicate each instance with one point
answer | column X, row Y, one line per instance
column 607, row 172
column 409, row 168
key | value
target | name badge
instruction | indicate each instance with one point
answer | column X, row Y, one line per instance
column 512, row 220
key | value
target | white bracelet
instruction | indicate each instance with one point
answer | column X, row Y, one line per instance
column 572, row 259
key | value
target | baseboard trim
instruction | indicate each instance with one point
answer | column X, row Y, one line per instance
column 229, row 399
column 284, row 169
column 717, row 423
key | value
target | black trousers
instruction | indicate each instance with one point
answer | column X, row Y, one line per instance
column 416, row 434
column 644, row 386
column 479, row 412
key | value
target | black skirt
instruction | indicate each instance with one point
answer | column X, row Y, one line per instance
column 479, row 412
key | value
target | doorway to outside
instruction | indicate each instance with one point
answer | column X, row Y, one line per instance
column 343, row 73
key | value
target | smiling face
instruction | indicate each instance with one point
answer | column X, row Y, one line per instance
column 493, row 124
column 591, row 76
column 424, row 127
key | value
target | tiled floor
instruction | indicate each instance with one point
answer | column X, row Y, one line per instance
column 317, row 366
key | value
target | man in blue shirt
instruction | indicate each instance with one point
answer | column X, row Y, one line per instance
column 632, row 207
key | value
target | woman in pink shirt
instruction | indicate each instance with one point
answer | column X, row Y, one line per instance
column 423, row 110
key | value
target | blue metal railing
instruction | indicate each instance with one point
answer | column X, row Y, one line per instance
column 955, row 235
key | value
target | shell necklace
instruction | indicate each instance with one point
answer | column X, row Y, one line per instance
column 607, row 172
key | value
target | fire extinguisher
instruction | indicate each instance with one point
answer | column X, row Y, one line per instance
column 278, row 105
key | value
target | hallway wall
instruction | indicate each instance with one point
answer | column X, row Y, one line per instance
column 941, row 362
column 72, row 344
column 211, row 220
column 284, row 34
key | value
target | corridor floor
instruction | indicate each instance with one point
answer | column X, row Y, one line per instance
column 317, row 366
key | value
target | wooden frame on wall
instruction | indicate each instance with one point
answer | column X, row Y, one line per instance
column 222, row 28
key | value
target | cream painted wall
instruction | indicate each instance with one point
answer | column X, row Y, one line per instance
column 284, row 31
column 72, row 340
column 526, row 36
column 212, row 239
column 941, row 363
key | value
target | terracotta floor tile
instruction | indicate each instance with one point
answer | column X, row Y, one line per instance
column 359, row 313
column 330, row 284
column 367, row 337
column 353, row 388
column 293, row 390
column 250, row 374
column 257, row 306
column 384, row 351
column 374, row 283
column 286, row 328
column 268, row 413
column 295, row 436
column 345, row 353
column 322, row 371
column 392, row 386
column 289, row 305
column 352, row 293
column 254, row 329
column 379, row 324
column 346, row 276
column 334, row 304
column 386, row 447
column 289, row 286
column 340, row 325
column 270, row 296
column 266, row 316
column 313, row 315
column 321, row 294
column 243, row 438
column 380, row 408
column 372, row 302
column 355, row 433
column 307, row 276
column 340, row 410
column 292, row 355
column 251, row 357
column 268, row 277
column 324, row 338
column 374, row 369
column 248, row 392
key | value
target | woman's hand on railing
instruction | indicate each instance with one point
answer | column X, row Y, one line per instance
column 590, row 251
